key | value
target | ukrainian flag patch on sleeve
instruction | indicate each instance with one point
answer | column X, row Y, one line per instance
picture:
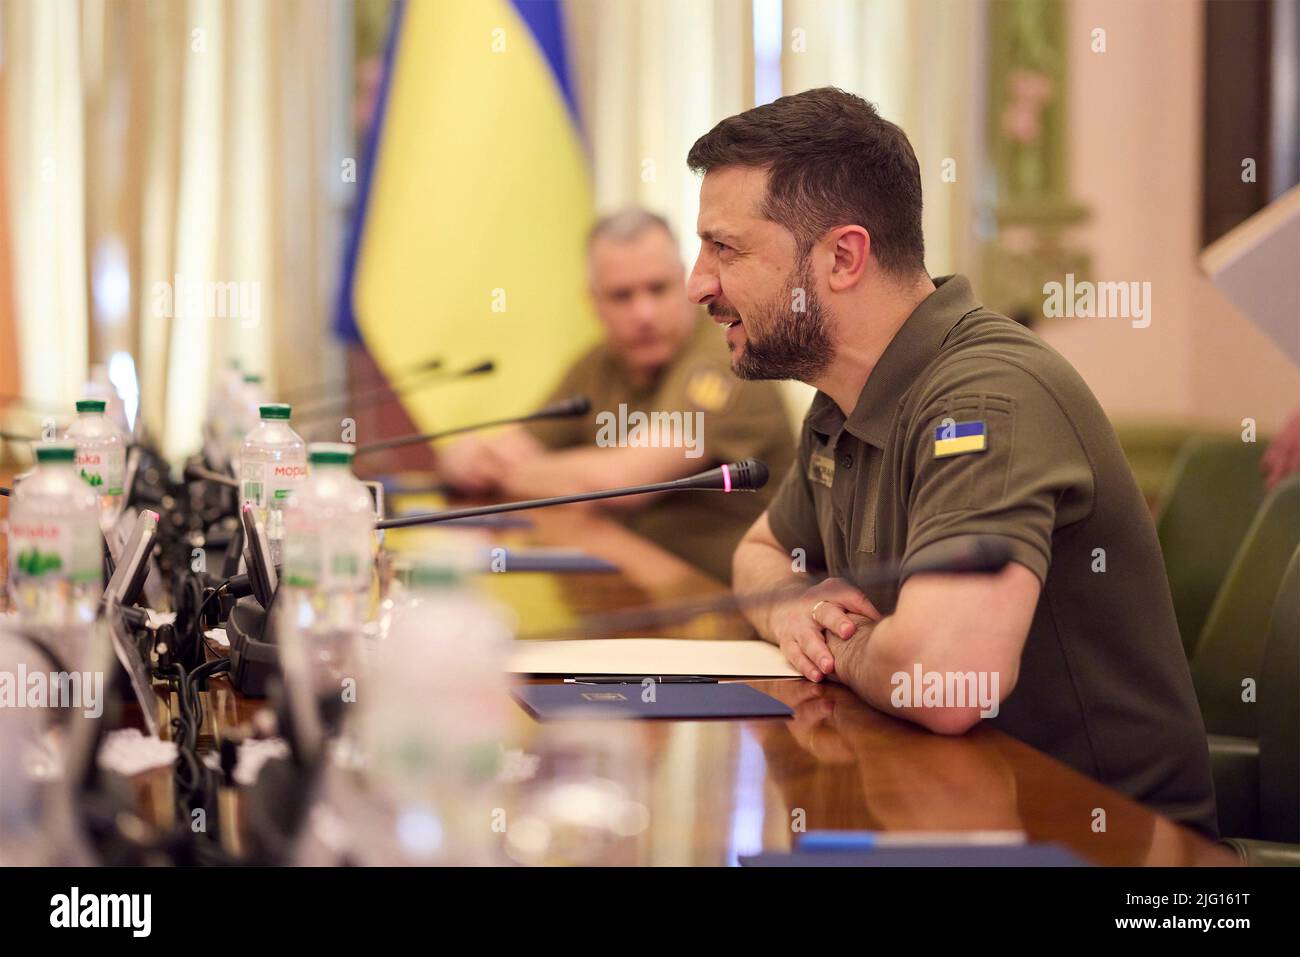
column 958, row 438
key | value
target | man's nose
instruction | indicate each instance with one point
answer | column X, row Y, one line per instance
column 702, row 286
column 645, row 308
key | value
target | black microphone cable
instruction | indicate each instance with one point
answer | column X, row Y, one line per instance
column 187, row 601
column 193, row 777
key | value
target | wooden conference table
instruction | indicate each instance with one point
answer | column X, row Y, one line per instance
column 718, row 789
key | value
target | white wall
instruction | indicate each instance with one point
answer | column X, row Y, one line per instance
column 1135, row 153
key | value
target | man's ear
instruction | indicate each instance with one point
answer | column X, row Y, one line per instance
column 850, row 248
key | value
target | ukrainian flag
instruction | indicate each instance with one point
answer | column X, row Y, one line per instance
column 956, row 438
column 476, row 206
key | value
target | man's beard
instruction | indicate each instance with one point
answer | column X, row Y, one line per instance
column 793, row 345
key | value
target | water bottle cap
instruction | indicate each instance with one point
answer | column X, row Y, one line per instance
column 274, row 410
column 91, row 405
column 330, row 453
column 56, row 452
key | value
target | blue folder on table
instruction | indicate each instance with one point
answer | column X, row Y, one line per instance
column 549, row 560
column 712, row 700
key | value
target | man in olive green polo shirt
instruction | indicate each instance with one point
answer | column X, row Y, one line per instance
column 664, row 405
column 936, row 420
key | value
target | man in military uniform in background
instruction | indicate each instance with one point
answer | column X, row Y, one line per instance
column 664, row 405
column 937, row 423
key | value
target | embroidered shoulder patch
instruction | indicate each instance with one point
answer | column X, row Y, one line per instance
column 958, row 438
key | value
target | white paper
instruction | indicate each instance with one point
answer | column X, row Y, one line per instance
column 751, row 658
column 159, row 618
column 129, row 752
column 249, row 758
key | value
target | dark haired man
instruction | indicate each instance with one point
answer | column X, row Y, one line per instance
column 936, row 420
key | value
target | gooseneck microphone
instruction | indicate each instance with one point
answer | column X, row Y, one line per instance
column 569, row 408
column 978, row 554
column 973, row 554
column 368, row 397
column 308, row 393
column 748, row 475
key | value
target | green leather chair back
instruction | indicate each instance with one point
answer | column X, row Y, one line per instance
column 1151, row 449
column 1214, row 489
column 1279, row 716
column 1231, row 647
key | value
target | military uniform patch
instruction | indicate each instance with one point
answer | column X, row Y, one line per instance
column 709, row 389
column 958, row 438
column 821, row 469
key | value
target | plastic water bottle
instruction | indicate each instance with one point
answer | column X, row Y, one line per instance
column 246, row 398
column 272, row 464
column 101, row 457
column 434, row 709
column 100, row 386
column 38, row 826
column 22, row 835
column 56, row 575
column 329, row 531
column 219, row 431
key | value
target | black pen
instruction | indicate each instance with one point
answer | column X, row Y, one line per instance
column 637, row 679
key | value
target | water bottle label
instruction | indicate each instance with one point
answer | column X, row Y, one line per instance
column 301, row 567
column 283, row 481
column 54, row 548
column 328, row 559
column 102, row 469
column 348, row 569
column 269, row 485
column 251, row 484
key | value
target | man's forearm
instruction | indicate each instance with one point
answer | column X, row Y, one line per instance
column 869, row 661
column 566, row 472
column 581, row 470
column 758, row 570
column 859, row 661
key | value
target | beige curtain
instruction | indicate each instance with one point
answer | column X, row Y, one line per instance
column 655, row 74
column 45, row 179
column 921, row 63
column 198, row 151
column 652, row 76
